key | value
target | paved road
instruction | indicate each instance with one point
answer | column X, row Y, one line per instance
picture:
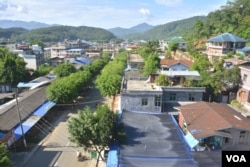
column 56, row 150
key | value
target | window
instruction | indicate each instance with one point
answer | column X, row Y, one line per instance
column 172, row 97
column 245, row 77
column 191, row 97
column 158, row 100
column 144, row 101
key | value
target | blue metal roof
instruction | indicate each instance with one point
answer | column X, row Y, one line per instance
column 82, row 60
column 226, row 37
column 33, row 119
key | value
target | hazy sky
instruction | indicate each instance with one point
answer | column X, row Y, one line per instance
column 105, row 13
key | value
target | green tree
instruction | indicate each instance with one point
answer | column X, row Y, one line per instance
column 168, row 54
column 108, row 84
column 162, row 80
column 95, row 130
column 109, row 81
column 63, row 70
column 173, row 46
column 201, row 63
column 4, row 157
column 12, row 68
column 62, row 91
column 150, row 47
column 218, row 65
column 199, row 25
column 44, row 69
column 232, row 78
column 37, row 42
column 152, row 63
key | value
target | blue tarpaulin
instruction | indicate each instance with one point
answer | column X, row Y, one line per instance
column 112, row 160
column 43, row 109
column 191, row 141
column 33, row 119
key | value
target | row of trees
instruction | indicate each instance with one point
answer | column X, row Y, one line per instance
column 98, row 130
column 67, row 87
column 109, row 81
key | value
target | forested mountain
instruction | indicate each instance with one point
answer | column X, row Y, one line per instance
column 11, row 32
column 121, row 32
column 175, row 28
column 23, row 24
column 234, row 17
column 59, row 33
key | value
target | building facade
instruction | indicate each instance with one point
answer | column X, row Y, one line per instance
column 222, row 44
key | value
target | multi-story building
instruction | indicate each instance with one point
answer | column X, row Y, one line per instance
column 33, row 55
column 222, row 44
column 58, row 50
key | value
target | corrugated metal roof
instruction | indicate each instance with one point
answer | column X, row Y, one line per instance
column 226, row 37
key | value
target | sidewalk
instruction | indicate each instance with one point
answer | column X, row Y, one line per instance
column 19, row 159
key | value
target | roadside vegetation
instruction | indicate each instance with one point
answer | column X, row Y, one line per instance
column 4, row 157
column 109, row 81
column 65, row 89
column 96, row 130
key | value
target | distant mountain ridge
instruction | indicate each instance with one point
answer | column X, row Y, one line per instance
column 24, row 24
column 56, row 34
column 175, row 28
column 142, row 31
column 140, row 28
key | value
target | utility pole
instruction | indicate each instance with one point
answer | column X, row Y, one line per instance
column 20, row 120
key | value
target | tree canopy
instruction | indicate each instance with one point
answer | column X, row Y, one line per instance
column 63, row 70
column 4, row 159
column 109, row 81
column 12, row 68
column 152, row 63
column 96, row 130
column 59, row 33
column 66, row 89
column 234, row 17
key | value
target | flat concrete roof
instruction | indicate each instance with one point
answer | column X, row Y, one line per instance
column 153, row 140
column 142, row 85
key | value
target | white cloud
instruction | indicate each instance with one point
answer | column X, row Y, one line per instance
column 168, row 2
column 144, row 11
column 20, row 8
column 3, row 5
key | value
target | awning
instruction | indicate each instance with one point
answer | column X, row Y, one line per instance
column 43, row 109
column 33, row 119
column 191, row 141
column 27, row 125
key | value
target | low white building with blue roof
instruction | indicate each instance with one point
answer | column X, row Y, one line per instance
column 222, row 44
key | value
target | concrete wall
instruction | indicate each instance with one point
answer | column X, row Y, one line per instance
column 182, row 94
column 238, row 139
column 133, row 102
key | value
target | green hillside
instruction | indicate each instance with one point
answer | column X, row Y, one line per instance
column 11, row 32
column 175, row 28
column 59, row 33
column 234, row 17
